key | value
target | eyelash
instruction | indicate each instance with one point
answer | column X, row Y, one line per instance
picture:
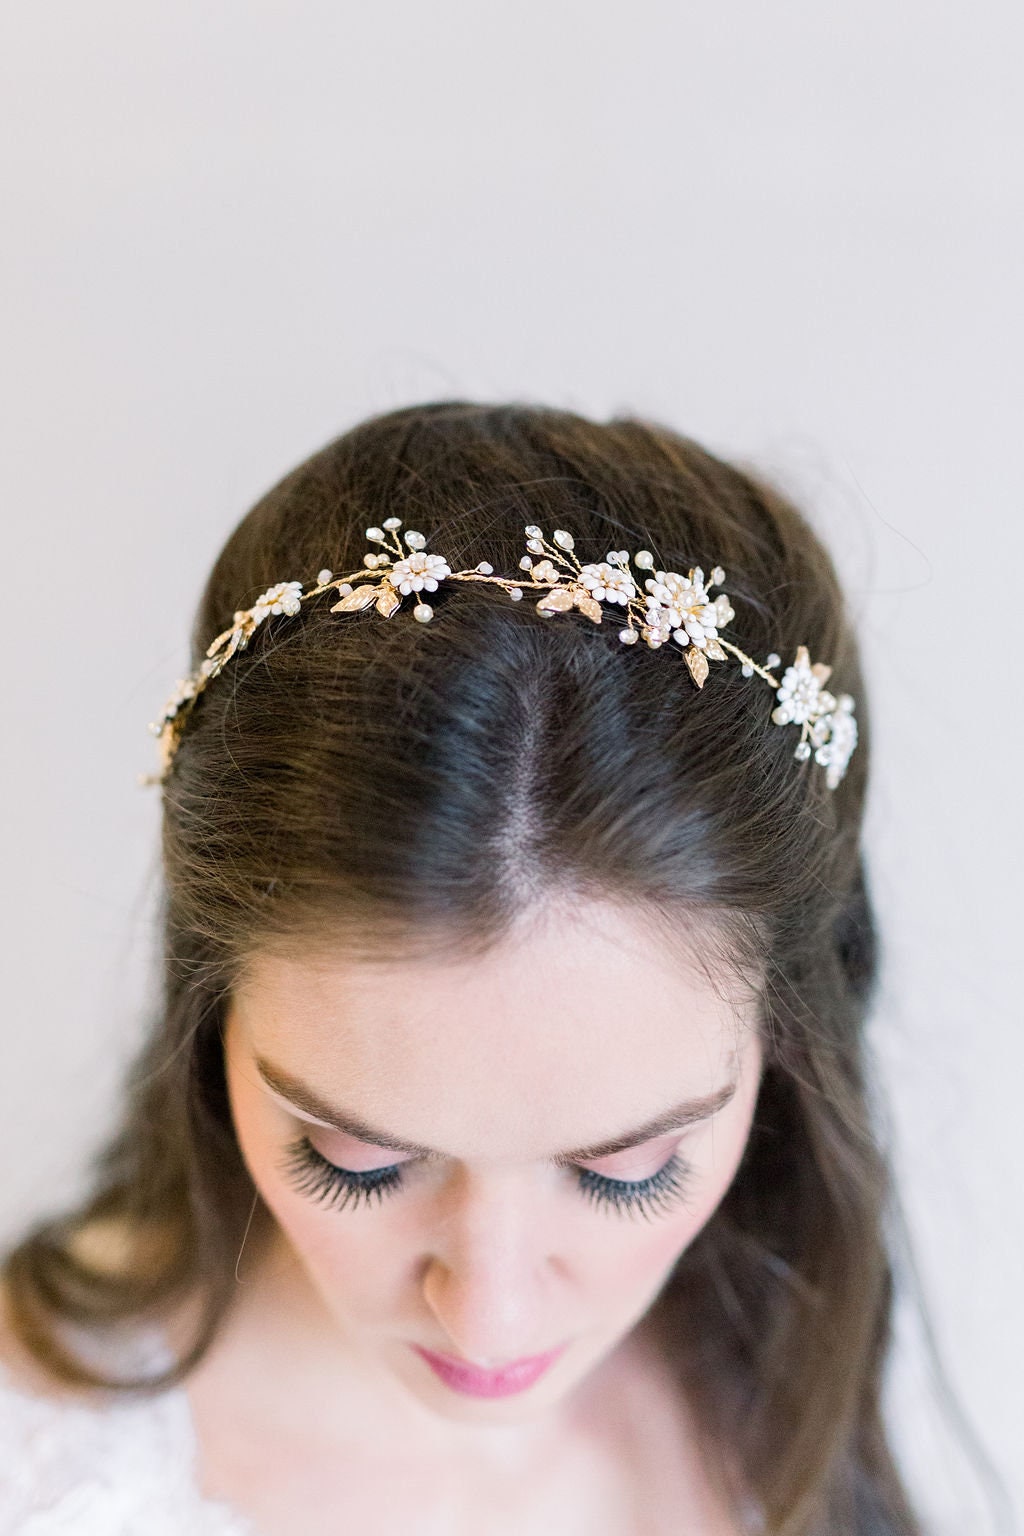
column 313, row 1175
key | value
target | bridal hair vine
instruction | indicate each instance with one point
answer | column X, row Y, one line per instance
column 675, row 607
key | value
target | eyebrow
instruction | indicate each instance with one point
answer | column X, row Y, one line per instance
column 304, row 1098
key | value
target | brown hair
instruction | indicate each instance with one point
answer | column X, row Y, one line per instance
column 360, row 776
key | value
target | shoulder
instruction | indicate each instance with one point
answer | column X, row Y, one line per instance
column 51, row 1445
column 81, row 1462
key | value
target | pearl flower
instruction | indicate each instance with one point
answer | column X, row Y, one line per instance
column 798, row 693
column 680, row 604
column 283, row 598
column 606, row 583
column 835, row 753
column 418, row 572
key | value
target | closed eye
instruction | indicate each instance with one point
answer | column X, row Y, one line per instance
column 336, row 1187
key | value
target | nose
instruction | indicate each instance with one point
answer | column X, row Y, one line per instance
column 492, row 1279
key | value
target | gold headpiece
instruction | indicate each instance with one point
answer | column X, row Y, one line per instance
column 675, row 608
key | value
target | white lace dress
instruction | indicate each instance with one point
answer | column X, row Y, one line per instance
column 124, row 1467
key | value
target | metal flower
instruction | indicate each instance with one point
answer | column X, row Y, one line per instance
column 417, row 571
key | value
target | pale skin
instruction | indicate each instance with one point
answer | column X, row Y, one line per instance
column 312, row 1411
column 582, row 1029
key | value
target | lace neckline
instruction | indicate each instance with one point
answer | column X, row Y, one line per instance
column 151, row 1446
column 123, row 1450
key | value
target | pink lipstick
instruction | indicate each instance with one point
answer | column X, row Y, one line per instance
column 474, row 1382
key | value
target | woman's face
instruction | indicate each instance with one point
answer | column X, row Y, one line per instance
column 436, row 1143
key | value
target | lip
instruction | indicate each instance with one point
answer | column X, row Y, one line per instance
column 474, row 1382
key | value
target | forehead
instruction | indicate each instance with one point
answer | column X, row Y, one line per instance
column 583, row 1023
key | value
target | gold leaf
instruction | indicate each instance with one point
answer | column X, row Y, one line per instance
column 388, row 601
column 698, row 665
column 588, row 605
column 557, row 601
column 821, row 672
column 714, row 650
column 359, row 597
column 803, row 657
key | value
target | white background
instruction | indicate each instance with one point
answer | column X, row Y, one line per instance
column 794, row 231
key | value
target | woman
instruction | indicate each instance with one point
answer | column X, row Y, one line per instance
column 502, row 1158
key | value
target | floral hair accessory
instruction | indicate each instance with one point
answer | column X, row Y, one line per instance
column 669, row 607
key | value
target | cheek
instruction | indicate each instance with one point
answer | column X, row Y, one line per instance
column 629, row 1259
column 346, row 1253
column 355, row 1258
column 633, row 1257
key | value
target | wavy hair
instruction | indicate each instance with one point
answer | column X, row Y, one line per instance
column 359, row 775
